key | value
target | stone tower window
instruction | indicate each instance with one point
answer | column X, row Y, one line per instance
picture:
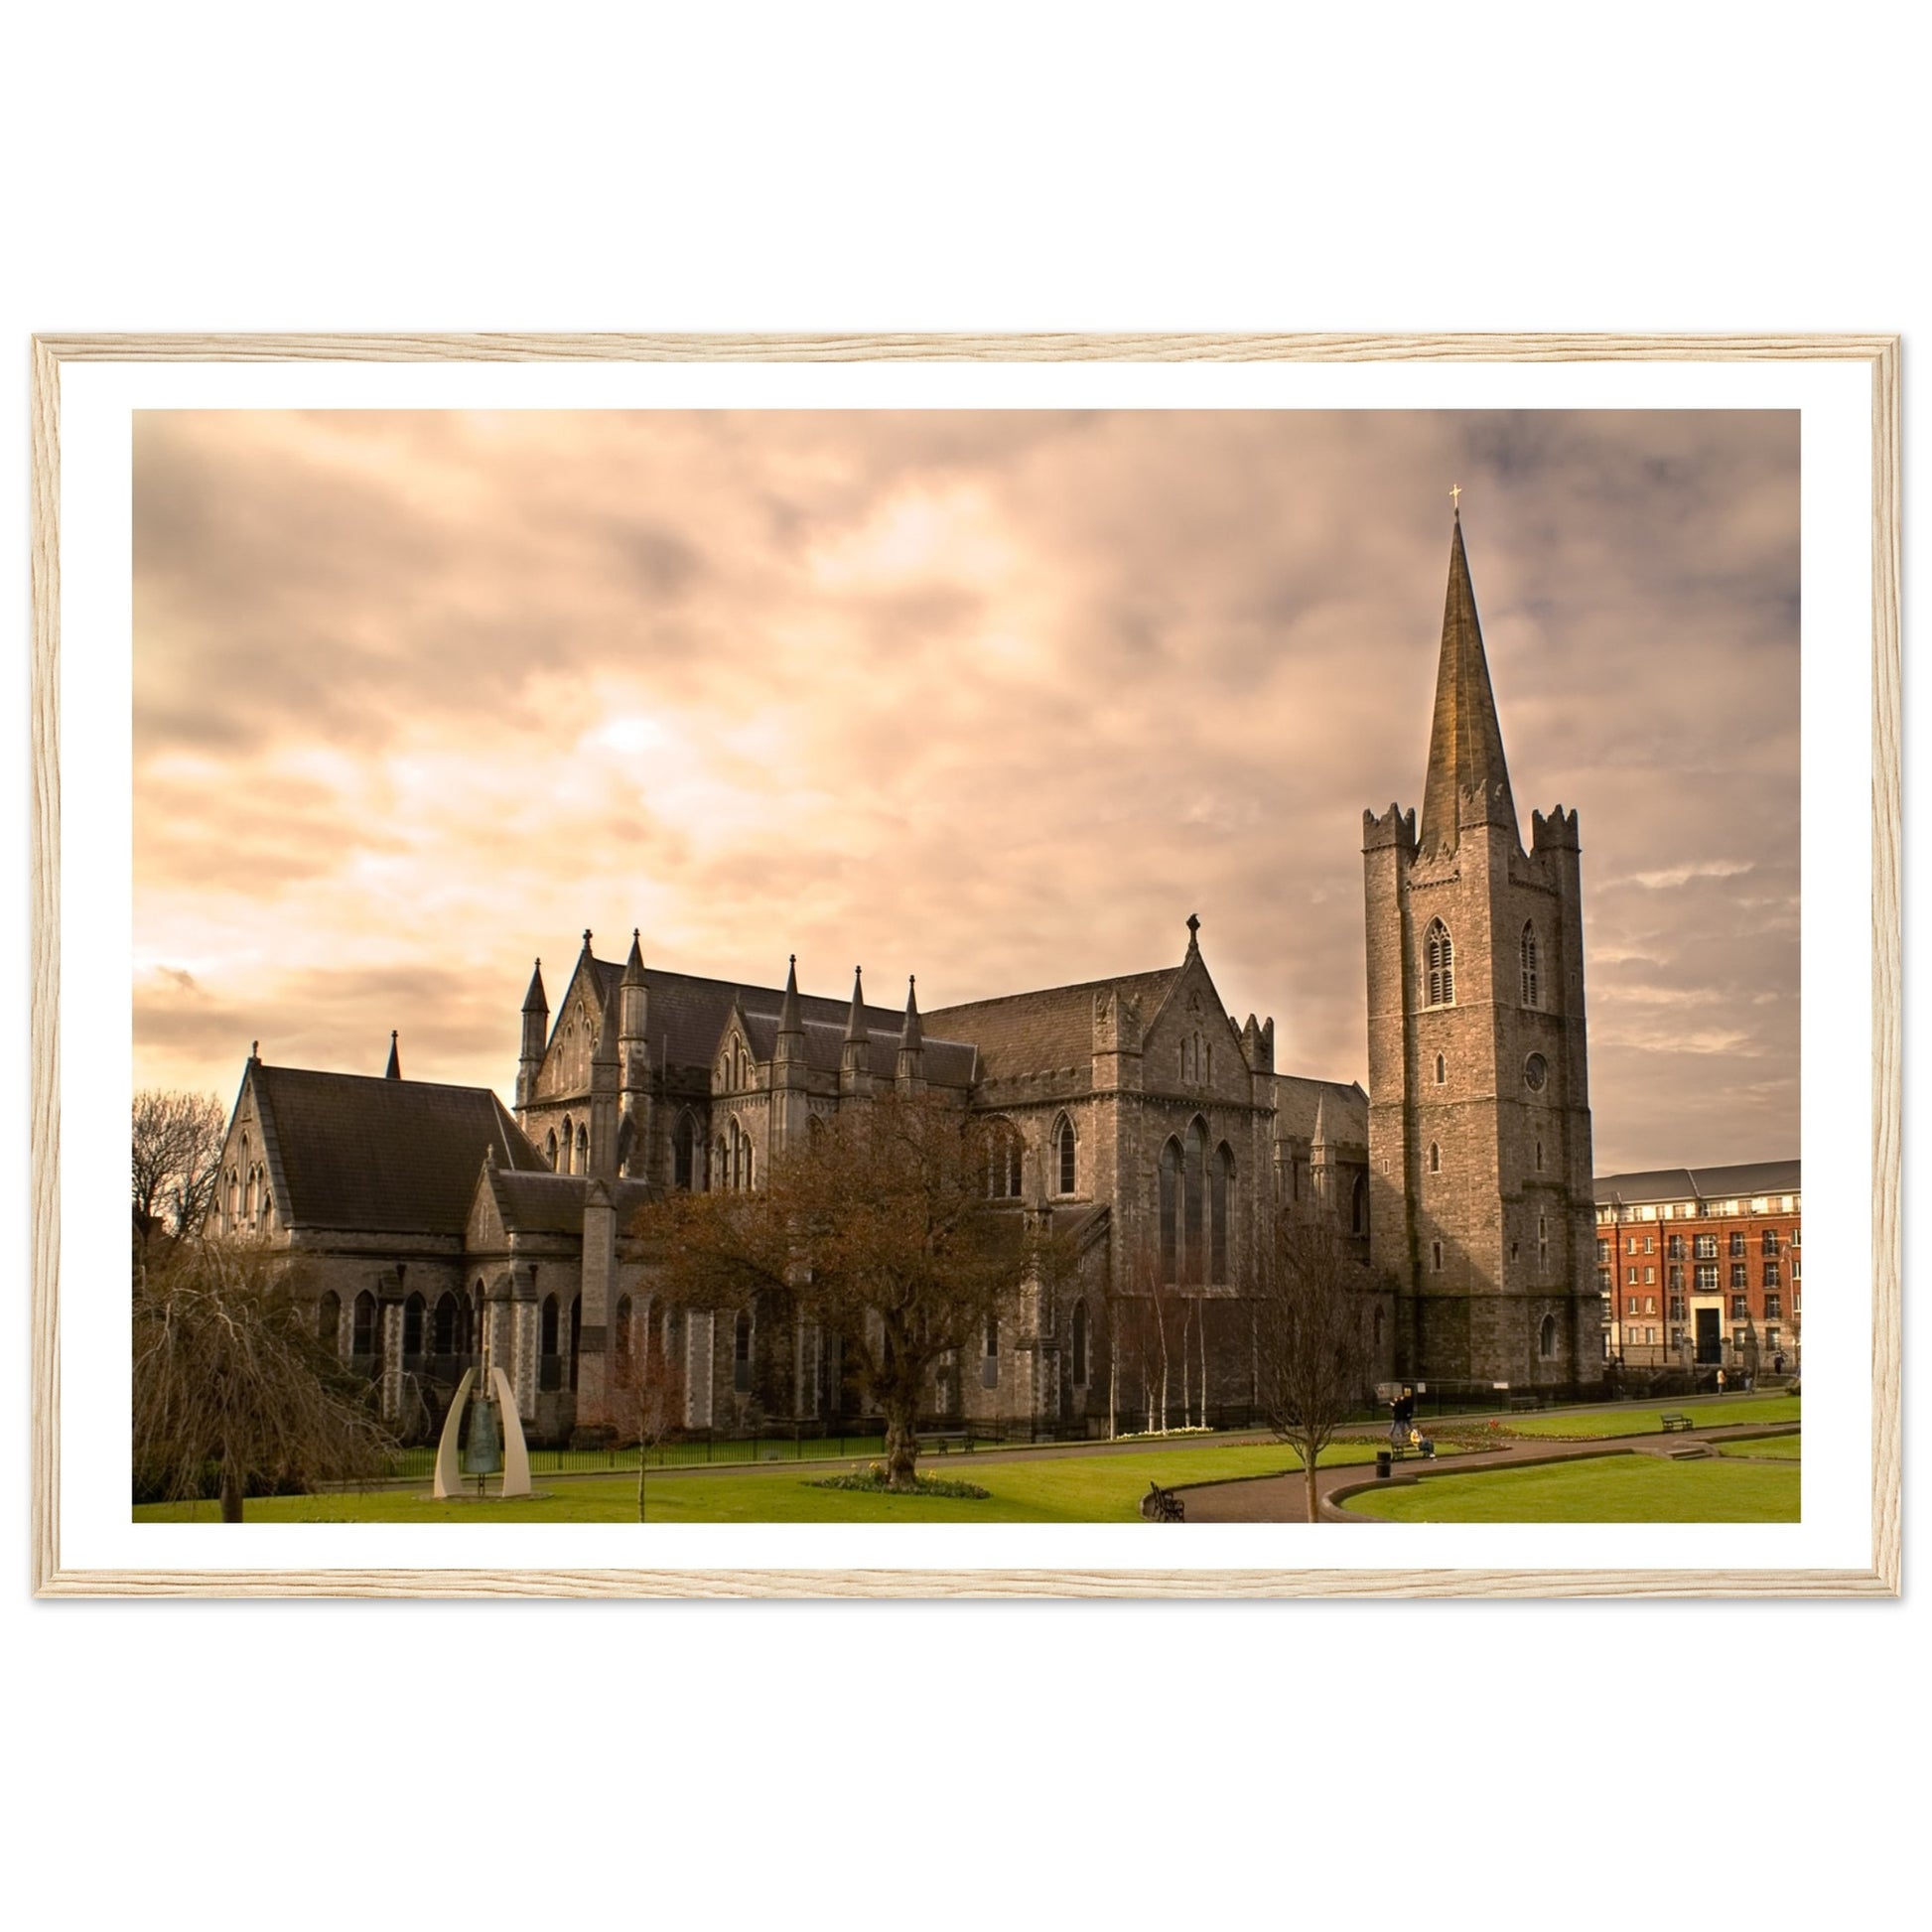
column 1546, row 1338
column 1358, row 1222
column 1437, row 1255
column 1439, row 954
column 1530, row 989
column 366, row 1337
column 1442, row 1070
column 1005, row 1149
column 742, row 1356
column 1434, row 1158
column 1538, row 1156
column 1065, row 1164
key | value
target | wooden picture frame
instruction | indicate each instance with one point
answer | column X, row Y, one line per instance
column 1876, row 355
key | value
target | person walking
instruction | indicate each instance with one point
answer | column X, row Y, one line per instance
column 1721, row 1381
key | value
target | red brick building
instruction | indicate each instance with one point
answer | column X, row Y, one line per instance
column 1703, row 1267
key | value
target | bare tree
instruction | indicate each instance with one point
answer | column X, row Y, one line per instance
column 1312, row 1349
column 229, row 1378
column 647, row 1399
column 177, row 1141
column 880, row 1228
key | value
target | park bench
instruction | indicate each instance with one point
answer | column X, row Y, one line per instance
column 942, row 1440
column 1519, row 1403
column 1673, row 1423
column 1163, row 1506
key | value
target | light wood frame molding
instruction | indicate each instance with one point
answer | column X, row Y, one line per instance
column 1880, row 352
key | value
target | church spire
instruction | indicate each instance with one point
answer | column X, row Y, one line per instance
column 394, row 1069
column 789, row 1019
column 1468, row 781
column 911, row 1035
column 533, row 1001
column 855, row 1025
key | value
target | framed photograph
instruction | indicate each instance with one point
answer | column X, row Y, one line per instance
column 1163, row 966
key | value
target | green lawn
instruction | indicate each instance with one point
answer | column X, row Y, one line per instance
column 1646, row 1418
column 1777, row 1448
column 1050, row 1489
column 1604, row 1490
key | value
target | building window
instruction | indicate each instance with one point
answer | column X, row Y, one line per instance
column 1538, row 1156
column 1530, row 988
column 1064, row 1163
column 1740, row 1274
column 1707, row 1279
column 1772, row 1279
column 1220, row 1194
column 742, row 1356
column 1434, row 1158
column 328, row 1321
column 1677, row 1307
column 1650, row 1244
column 622, row 1336
column 1442, row 1070
column 1192, row 1252
column 563, row 1151
column 1631, row 1277
column 1437, row 1254
column 1602, row 1251
column 684, row 1153
column 1650, row 1304
column 1440, row 952
column 1736, row 1241
column 1769, row 1241
column 990, row 1361
column 412, row 1325
column 550, row 1148
column 1358, row 1214
column 446, row 1327
column 367, row 1339
column 1649, row 1276
column 1546, row 1338
column 1774, row 1307
column 1740, row 1308
column 1003, row 1161
column 1705, row 1248
column 1674, row 1247
column 1674, row 1278
column 1604, row 1281
column 1632, row 1304
column 1169, row 1183
column 1081, row 1344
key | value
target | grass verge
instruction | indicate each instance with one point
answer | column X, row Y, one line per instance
column 1604, row 1490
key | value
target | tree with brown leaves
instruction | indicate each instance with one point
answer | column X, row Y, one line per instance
column 1312, row 1349
column 647, row 1394
column 880, row 1230
column 229, row 1378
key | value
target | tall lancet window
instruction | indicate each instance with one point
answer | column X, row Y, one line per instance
column 1440, row 954
column 1530, row 986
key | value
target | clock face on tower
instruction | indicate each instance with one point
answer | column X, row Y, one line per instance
column 1536, row 1072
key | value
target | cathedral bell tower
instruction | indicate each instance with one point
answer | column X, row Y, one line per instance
column 1483, row 1206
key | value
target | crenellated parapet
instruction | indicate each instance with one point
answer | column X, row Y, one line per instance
column 1557, row 833
column 1394, row 827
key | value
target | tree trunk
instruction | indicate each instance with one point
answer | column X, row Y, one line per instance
column 1309, row 1457
column 643, row 1454
column 1113, row 1378
column 902, row 1444
column 230, row 1488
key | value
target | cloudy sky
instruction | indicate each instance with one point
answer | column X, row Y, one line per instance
column 993, row 697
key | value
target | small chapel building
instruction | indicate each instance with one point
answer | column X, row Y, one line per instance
column 1134, row 1114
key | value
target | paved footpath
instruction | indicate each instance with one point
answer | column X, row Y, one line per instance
column 1284, row 1498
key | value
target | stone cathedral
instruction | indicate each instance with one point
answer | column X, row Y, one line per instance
column 1141, row 1119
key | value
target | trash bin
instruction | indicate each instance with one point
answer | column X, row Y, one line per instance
column 1384, row 1462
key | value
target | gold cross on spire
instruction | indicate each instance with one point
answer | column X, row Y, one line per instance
column 1455, row 495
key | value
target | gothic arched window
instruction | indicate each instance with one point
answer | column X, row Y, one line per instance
column 1442, row 1069
column 684, row 1151
column 1358, row 1209
column 1169, row 1209
column 366, row 1336
column 567, row 1144
column 445, row 1337
column 1065, row 1164
column 1003, row 1160
column 1546, row 1339
column 742, row 1356
column 1439, row 951
column 583, row 1161
column 1081, row 1344
column 1221, row 1197
column 328, row 1320
column 550, row 1148
column 1193, row 1207
column 1530, row 988
column 1434, row 1158
column 412, row 1325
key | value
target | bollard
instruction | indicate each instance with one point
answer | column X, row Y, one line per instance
column 1384, row 1462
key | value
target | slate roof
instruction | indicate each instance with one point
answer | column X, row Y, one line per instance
column 1699, row 1184
column 353, row 1152
column 553, row 1203
column 1032, row 1032
column 1344, row 1109
column 687, row 1015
